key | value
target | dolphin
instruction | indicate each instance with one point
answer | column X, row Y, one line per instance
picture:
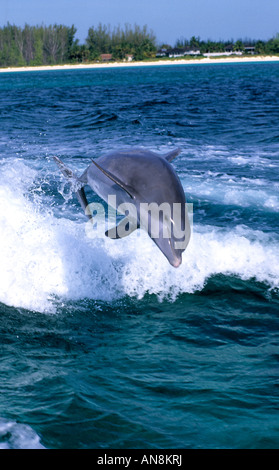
column 147, row 182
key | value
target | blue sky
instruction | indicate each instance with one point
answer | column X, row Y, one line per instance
column 169, row 19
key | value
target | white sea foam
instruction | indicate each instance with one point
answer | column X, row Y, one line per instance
column 45, row 259
column 15, row 435
column 253, row 161
column 225, row 189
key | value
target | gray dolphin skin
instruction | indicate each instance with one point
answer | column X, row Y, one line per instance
column 146, row 182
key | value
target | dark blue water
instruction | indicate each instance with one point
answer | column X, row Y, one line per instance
column 103, row 344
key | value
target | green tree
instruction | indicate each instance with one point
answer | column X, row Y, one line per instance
column 194, row 42
column 98, row 41
column 180, row 43
column 30, row 34
column 272, row 46
column 137, row 41
column 260, row 47
column 238, row 46
column 38, row 50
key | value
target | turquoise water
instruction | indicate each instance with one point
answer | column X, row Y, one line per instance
column 103, row 344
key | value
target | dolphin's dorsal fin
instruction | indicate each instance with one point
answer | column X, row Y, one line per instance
column 171, row 155
column 115, row 179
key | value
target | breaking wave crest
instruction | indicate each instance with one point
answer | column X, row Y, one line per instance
column 46, row 259
column 15, row 435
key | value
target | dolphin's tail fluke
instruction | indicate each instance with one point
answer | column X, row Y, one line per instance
column 66, row 172
column 77, row 183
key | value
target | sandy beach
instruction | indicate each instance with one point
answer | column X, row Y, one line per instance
column 223, row 60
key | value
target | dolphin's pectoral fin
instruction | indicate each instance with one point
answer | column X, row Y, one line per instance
column 171, row 155
column 123, row 229
column 83, row 202
column 115, row 179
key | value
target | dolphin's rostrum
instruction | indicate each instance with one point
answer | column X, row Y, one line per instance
column 149, row 182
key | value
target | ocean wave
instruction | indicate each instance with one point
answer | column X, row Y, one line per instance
column 231, row 190
column 47, row 259
column 15, row 435
column 254, row 161
column 88, row 120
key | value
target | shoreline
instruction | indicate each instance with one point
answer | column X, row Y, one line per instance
column 223, row 60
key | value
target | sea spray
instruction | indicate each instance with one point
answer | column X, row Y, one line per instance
column 45, row 258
